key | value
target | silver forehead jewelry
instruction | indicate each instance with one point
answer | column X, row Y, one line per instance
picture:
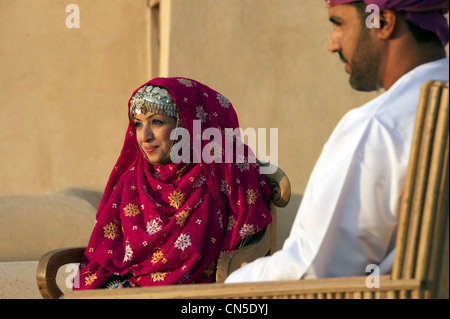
column 153, row 99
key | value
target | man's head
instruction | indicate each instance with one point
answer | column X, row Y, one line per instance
column 355, row 45
column 426, row 18
column 362, row 45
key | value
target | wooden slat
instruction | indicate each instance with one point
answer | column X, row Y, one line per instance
column 432, row 221
column 337, row 286
column 437, row 274
column 408, row 191
column 421, row 178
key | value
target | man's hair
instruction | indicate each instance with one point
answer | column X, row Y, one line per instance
column 422, row 35
column 419, row 34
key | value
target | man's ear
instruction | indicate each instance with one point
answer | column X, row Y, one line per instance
column 388, row 22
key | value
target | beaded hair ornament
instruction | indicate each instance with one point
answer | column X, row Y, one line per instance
column 153, row 99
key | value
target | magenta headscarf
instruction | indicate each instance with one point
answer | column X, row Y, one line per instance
column 168, row 224
column 427, row 14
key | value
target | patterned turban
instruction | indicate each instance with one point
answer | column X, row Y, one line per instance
column 427, row 14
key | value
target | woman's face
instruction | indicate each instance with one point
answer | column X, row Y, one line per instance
column 153, row 135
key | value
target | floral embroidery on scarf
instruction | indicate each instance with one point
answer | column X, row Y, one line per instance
column 199, row 182
column 157, row 256
column 231, row 222
column 159, row 276
column 224, row 102
column 186, row 82
column 131, row 210
column 242, row 163
column 202, row 115
column 225, row 188
column 211, row 269
column 90, row 278
column 182, row 216
column 111, row 230
column 128, row 253
column 176, row 199
column 154, row 226
column 251, row 196
column 247, row 230
column 220, row 218
column 183, row 242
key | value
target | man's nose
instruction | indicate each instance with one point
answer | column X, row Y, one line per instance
column 333, row 43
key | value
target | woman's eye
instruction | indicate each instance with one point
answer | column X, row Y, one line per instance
column 156, row 122
column 137, row 124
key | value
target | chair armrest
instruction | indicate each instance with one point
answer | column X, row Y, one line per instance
column 280, row 185
column 48, row 266
column 259, row 246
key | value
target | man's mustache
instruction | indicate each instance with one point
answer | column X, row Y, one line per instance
column 342, row 57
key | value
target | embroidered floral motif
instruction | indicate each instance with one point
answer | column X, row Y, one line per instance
column 89, row 280
column 111, row 230
column 225, row 188
column 157, row 256
column 131, row 210
column 182, row 216
column 159, row 276
column 220, row 218
column 176, row 199
column 251, row 196
column 186, row 82
column 202, row 115
column 183, row 241
column 223, row 101
column 211, row 269
column 231, row 222
column 242, row 164
column 247, row 230
column 154, row 226
column 186, row 276
column 199, row 182
column 128, row 253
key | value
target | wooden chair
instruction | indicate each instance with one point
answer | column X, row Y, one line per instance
column 421, row 264
column 259, row 245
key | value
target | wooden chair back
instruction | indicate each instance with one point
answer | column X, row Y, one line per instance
column 422, row 243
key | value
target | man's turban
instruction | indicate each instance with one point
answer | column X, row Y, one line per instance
column 427, row 14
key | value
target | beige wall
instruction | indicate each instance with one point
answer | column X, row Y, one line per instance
column 64, row 91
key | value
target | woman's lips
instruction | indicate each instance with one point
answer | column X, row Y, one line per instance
column 150, row 149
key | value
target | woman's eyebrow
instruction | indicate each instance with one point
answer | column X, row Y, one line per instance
column 152, row 115
column 135, row 118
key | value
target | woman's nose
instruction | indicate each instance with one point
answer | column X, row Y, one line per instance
column 147, row 133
